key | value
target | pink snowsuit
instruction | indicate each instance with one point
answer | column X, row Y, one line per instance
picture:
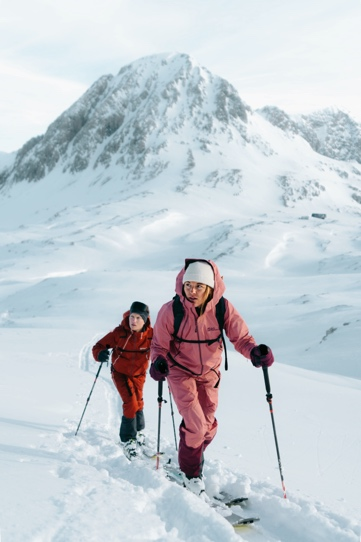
column 194, row 367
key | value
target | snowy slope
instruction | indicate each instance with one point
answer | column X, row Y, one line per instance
column 77, row 249
column 59, row 487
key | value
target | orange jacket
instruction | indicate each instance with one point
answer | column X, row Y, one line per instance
column 131, row 350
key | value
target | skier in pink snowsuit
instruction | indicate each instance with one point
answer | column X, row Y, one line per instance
column 191, row 360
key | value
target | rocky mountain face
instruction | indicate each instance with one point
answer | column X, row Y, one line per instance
column 166, row 117
column 330, row 132
column 128, row 119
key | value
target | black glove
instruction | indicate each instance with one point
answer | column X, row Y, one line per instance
column 261, row 356
column 103, row 356
column 161, row 365
column 159, row 369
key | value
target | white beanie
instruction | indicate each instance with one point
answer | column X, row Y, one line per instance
column 200, row 272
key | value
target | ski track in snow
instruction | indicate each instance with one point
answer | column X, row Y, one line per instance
column 109, row 498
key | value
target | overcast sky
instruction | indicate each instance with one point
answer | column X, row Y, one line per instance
column 300, row 55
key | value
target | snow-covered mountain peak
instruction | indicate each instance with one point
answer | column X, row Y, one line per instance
column 127, row 120
column 168, row 122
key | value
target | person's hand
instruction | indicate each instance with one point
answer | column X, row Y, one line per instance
column 103, row 356
column 261, row 356
column 159, row 369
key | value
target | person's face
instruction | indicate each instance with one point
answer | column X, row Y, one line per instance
column 136, row 322
column 195, row 292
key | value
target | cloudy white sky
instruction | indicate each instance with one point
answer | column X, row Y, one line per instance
column 300, row 55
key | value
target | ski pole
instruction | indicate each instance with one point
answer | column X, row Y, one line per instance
column 160, row 401
column 172, row 413
column 87, row 401
column 269, row 401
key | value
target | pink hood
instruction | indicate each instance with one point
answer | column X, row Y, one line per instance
column 219, row 287
column 198, row 357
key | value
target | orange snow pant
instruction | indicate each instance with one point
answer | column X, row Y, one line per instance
column 130, row 389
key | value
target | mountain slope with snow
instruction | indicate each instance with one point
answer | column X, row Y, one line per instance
column 81, row 237
column 330, row 132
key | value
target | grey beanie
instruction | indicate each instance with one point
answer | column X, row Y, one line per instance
column 140, row 308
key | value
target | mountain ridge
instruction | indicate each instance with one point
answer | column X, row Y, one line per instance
column 166, row 105
column 330, row 132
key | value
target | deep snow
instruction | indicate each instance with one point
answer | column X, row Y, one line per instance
column 60, row 488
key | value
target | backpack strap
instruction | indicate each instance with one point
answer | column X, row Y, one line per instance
column 220, row 312
column 178, row 313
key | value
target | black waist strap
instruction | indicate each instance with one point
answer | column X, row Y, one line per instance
column 142, row 351
column 205, row 341
column 208, row 342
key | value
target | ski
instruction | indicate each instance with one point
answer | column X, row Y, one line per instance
column 143, row 451
column 237, row 521
column 229, row 500
column 221, row 503
column 150, row 455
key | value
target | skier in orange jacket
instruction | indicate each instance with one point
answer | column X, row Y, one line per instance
column 130, row 342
